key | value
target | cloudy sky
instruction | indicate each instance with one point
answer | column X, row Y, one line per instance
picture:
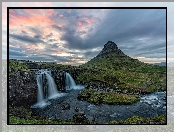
column 74, row 36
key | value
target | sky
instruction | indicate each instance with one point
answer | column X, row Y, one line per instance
column 74, row 36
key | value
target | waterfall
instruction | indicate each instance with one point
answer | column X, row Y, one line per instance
column 40, row 96
column 52, row 89
column 70, row 84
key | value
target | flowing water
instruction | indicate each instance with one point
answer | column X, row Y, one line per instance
column 40, row 96
column 103, row 113
column 70, row 83
column 51, row 107
column 51, row 89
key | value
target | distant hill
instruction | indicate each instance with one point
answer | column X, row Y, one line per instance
column 161, row 64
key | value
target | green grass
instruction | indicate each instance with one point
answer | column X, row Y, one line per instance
column 94, row 96
column 159, row 119
column 126, row 72
column 17, row 120
column 18, row 66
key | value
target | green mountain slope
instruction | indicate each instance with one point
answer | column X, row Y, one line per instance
column 119, row 71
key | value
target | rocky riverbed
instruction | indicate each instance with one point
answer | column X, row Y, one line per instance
column 67, row 106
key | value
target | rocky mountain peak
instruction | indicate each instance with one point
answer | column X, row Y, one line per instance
column 110, row 47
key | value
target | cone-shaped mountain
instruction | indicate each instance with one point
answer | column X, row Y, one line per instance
column 112, row 56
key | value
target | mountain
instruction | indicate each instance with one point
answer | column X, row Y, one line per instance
column 112, row 57
column 110, row 47
column 161, row 64
column 114, row 68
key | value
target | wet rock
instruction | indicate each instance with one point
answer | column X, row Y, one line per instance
column 65, row 106
column 125, row 91
column 76, row 109
column 80, row 118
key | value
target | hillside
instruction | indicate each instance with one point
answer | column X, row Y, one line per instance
column 112, row 57
column 115, row 70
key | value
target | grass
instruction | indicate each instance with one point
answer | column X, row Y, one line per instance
column 159, row 119
column 17, row 120
column 96, row 97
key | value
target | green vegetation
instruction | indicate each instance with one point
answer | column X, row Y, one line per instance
column 129, row 74
column 21, row 115
column 94, row 96
column 159, row 119
column 17, row 120
column 18, row 66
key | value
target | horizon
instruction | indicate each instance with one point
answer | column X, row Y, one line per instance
column 83, row 63
column 73, row 36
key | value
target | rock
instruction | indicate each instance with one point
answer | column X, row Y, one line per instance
column 65, row 106
column 21, row 92
column 80, row 118
column 144, row 85
column 76, row 109
column 125, row 91
column 110, row 47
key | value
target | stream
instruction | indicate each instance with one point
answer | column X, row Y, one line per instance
column 68, row 105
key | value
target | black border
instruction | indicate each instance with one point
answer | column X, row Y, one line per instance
column 8, row 8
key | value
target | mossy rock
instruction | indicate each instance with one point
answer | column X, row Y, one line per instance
column 111, row 98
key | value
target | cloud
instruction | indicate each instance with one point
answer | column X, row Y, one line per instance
column 57, row 27
column 136, row 32
column 25, row 38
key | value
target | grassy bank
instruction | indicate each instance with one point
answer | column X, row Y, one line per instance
column 96, row 97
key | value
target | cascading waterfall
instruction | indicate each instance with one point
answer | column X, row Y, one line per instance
column 40, row 96
column 52, row 89
column 70, row 83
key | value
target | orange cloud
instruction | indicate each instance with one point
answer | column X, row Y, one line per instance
column 89, row 21
column 58, row 52
column 31, row 47
column 34, row 18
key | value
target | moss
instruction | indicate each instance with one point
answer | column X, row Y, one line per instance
column 93, row 96
column 18, row 66
column 135, row 120
column 159, row 119
column 17, row 120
